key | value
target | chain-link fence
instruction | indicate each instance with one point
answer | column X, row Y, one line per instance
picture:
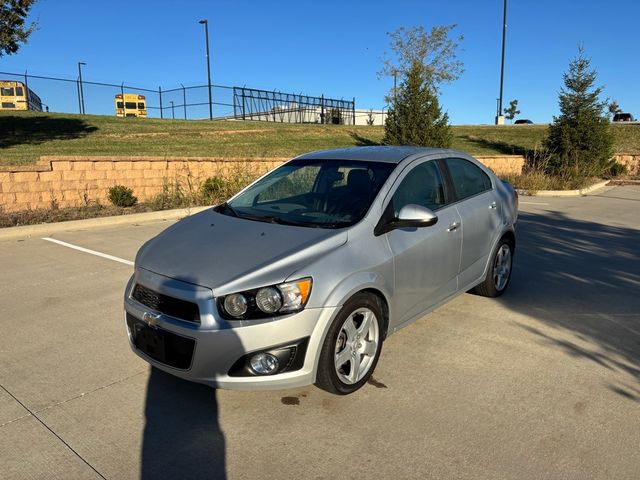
column 186, row 101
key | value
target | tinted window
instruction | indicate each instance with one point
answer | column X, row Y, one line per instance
column 313, row 193
column 120, row 104
column 298, row 182
column 8, row 105
column 141, row 106
column 131, row 105
column 468, row 179
column 421, row 186
column 19, row 91
column 6, row 92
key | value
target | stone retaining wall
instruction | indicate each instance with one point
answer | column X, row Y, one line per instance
column 74, row 181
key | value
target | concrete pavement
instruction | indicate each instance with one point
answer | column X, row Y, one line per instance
column 542, row 383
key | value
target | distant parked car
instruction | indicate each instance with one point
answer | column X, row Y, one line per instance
column 300, row 277
column 623, row 117
column 523, row 121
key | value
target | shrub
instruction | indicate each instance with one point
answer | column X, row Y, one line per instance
column 213, row 190
column 171, row 196
column 122, row 196
column 616, row 169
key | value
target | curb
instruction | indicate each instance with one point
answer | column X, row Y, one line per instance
column 564, row 193
column 45, row 229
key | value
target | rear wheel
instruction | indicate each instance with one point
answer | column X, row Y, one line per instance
column 499, row 273
column 352, row 346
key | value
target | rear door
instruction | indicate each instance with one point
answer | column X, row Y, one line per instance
column 426, row 260
column 479, row 208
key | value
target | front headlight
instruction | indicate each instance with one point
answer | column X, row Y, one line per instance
column 269, row 301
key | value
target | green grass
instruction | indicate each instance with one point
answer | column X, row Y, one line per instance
column 25, row 136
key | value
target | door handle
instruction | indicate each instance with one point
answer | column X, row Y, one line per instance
column 454, row 226
column 493, row 206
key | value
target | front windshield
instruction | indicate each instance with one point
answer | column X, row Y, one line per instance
column 313, row 193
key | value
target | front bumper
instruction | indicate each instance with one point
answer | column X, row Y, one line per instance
column 215, row 345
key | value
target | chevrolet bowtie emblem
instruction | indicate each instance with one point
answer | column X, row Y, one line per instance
column 151, row 319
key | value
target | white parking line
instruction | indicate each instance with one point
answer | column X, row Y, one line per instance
column 86, row 250
column 533, row 203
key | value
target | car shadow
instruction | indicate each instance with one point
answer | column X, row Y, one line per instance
column 581, row 277
column 32, row 130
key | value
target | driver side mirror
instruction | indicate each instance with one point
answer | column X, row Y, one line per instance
column 410, row 216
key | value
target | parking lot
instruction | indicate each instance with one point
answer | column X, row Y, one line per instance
column 541, row 383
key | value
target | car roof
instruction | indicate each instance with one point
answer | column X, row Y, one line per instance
column 388, row 154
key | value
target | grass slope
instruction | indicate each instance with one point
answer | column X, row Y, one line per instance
column 25, row 136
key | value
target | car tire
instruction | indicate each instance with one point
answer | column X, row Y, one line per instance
column 352, row 346
column 499, row 272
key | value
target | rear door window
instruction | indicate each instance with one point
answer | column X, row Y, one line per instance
column 468, row 179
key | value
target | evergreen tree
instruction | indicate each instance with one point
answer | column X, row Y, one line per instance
column 415, row 117
column 512, row 110
column 579, row 139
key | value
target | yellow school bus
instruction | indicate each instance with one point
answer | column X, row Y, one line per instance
column 16, row 96
column 131, row 105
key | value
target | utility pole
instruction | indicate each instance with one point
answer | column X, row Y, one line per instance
column 499, row 115
column 206, row 33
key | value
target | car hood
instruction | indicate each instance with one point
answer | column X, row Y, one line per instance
column 229, row 254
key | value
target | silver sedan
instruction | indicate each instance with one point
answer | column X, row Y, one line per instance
column 300, row 277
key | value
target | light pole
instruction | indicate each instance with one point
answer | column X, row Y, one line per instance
column 499, row 116
column 80, row 90
column 395, row 88
column 206, row 34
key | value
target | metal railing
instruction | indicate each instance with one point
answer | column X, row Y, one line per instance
column 59, row 94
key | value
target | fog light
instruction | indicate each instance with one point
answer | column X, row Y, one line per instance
column 235, row 305
column 264, row 363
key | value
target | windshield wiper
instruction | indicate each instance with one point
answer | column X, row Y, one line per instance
column 225, row 206
column 277, row 220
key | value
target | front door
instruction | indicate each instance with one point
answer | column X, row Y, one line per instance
column 426, row 260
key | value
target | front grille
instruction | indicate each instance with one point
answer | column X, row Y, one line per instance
column 168, row 305
column 161, row 345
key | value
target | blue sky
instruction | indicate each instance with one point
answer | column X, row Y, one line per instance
column 330, row 47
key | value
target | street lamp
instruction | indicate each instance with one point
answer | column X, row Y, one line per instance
column 80, row 90
column 499, row 116
column 206, row 33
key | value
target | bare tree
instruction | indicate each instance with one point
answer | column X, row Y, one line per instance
column 435, row 52
column 370, row 118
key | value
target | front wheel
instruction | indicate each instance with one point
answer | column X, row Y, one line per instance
column 499, row 273
column 352, row 346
